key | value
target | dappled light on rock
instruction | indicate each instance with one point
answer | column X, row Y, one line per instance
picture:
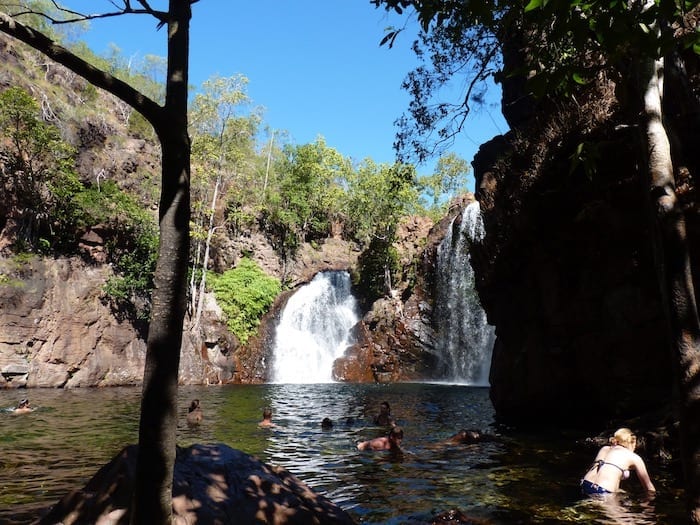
column 213, row 484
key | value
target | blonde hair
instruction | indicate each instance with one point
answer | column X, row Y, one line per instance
column 624, row 437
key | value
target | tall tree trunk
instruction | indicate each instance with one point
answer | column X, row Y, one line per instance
column 152, row 499
column 676, row 279
column 207, row 246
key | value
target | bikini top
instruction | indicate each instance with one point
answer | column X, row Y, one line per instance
column 600, row 463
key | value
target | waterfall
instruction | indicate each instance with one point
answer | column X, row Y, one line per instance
column 314, row 330
column 464, row 338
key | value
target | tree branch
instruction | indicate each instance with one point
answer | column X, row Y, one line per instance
column 137, row 100
column 76, row 16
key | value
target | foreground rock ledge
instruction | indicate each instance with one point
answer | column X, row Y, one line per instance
column 213, row 485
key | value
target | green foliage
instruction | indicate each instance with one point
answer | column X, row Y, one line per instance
column 377, row 197
column 30, row 16
column 131, row 249
column 38, row 179
column 245, row 294
column 448, row 181
column 378, row 266
column 306, row 196
column 223, row 151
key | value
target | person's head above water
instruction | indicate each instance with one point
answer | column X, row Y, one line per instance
column 624, row 437
column 23, row 407
column 384, row 417
column 395, row 435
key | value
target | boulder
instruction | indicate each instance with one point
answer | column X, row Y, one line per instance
column 212, row 484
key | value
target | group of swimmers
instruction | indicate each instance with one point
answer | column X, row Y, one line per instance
column 195, row 415
column 392, row 440
column 612, row 464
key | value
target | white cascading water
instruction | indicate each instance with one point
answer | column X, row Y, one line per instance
column 314, row 330
column 464, row 338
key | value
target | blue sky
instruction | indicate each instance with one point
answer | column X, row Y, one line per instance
column 314, row 65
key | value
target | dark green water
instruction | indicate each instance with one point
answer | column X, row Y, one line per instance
column 523, row 479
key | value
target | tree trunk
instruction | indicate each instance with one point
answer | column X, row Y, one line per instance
column 207, row 246
column 152, row 499
column 676, row 279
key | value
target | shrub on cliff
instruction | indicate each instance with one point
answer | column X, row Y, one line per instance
column 244, row 293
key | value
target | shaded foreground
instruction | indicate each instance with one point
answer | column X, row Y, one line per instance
column 212, row 484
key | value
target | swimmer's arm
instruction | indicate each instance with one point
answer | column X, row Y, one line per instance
column 642, row 474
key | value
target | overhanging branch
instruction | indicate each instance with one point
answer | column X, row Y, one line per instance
column 37, row 40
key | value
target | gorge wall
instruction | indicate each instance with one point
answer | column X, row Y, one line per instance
column 566, row 272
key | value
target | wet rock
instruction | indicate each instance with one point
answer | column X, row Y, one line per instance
column 457, row 517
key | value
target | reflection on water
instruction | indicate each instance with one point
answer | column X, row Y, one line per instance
column 518, row 479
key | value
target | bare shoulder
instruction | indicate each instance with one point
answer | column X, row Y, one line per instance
column 603, row 452
column 637, row 459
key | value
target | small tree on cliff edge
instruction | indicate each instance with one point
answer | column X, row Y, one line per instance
column 564, row 43
column 152, row 500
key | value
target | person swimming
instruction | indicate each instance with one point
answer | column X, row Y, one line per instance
column 613, row 463
column 23, row 407
column 266, row 418
column 392, row 441
column 384, row 418
column 467, row 437
column 327, row 424
column 194, row 413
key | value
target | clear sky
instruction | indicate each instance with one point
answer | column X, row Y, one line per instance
column 314, row 65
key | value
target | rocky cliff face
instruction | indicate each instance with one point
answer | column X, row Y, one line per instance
column 566, row 272
column 395, row 340
column 56, row 331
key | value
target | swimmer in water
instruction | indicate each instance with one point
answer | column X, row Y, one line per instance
column 613, row 464
column 23, row 407
column 266, row 418
column 194, row 413
column 392, row 441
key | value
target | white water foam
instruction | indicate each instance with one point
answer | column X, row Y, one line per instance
column 314, row 330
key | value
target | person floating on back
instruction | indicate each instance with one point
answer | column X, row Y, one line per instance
column 613, row 464
column 194, row 413
column 266, row 418
column 384, row 417
column 23, row 407
column 392, row 441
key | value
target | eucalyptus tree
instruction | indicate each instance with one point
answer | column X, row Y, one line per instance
column 378, row 196
column 448, row 181
column 303, row 198
column 152, row 500
column 559, row 45
column 38, row 168
column 223, row 159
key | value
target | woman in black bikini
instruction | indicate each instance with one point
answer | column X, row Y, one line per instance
column 613, row 464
